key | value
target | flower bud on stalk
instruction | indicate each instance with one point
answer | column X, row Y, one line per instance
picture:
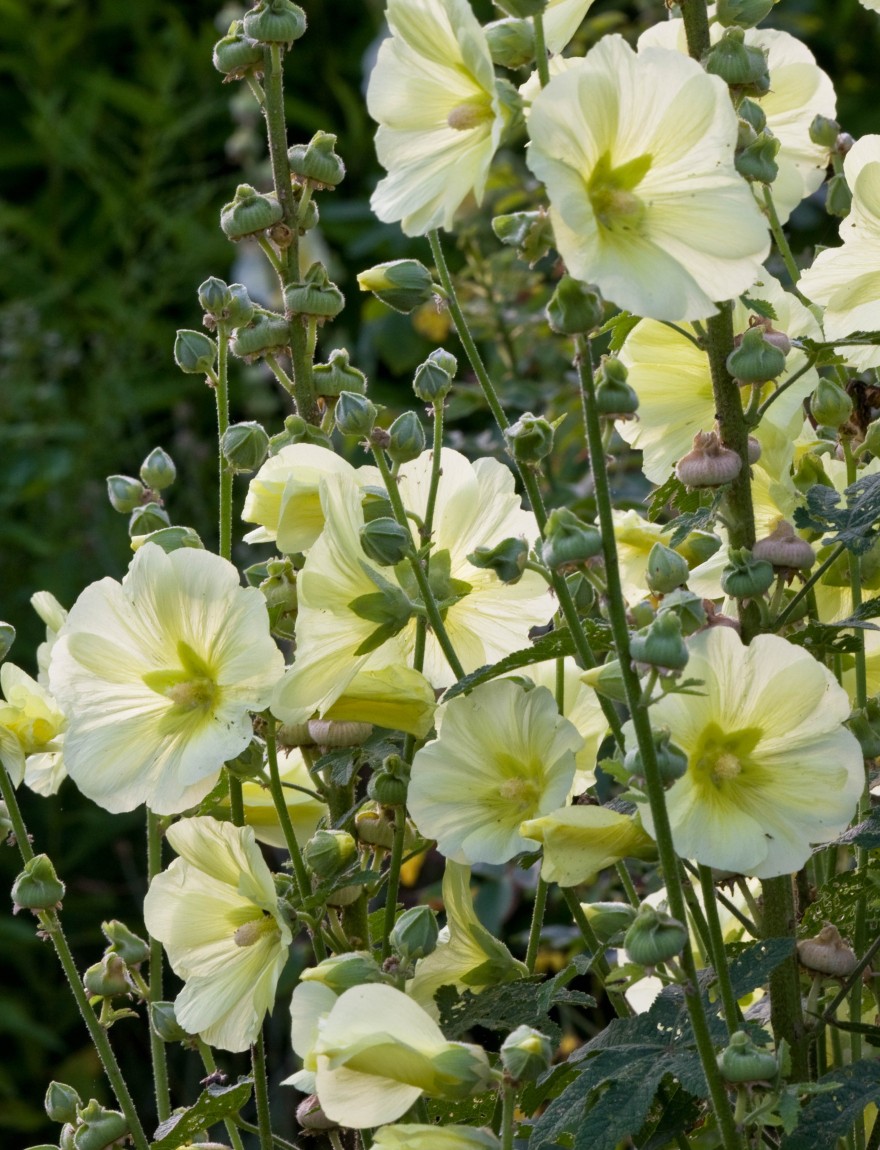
column 526, row 1054
column 654, row 937
column 415, row 934
column 575, row 308
column 158, row 470
column 249, row 213
column 507, row 559
column 338, row 375
column 317, row 162
column 38, row 887
column 709, row 463
column 742, row 1061
column 244, row 446
column 401, row 284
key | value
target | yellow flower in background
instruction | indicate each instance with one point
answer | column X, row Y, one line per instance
column 53, row 615
column 846, row 280
column 157, row 677
column 413, row 1136
column 31, row 721
column 305, row 810
column 636, row 153
column 771, row 769
column 216, row 912
column 799, row 91
column 579, row 841
column 433, row 94
column 502, row 754
column 672, row 378
column 562, row 18
column 310, row 1003
column 635, row 535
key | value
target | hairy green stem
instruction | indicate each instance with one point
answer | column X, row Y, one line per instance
column 782, row 243
column 541, row 61
column 696, row 27
column 397, row 843
column 779, row 920
column 627, row 883
column 508, row 1113
column 261, row 1092
column 538, row 909
column 600, row 962
column 157, row 1046
column 719, row 958
column 221, row 393
column 207, row 1056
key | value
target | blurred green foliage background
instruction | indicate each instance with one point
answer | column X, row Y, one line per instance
column 118, row 145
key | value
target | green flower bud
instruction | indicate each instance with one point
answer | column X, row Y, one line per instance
column 249, row 213
column 742, row 13
column 642, row 614
column 756, row 161
column 755, row 359
column 865, row 725
column 237, row 56
column 386, row 542
column 337, row 375
column 507, row 559
column 107, row 978
column 338, row 733
column 745, row 577
column 124, row 493
column 666, row 570
column 616, row 400
column 310, row 1116
column 709, row 463
column 131, row 949
column 401, row 284
column 827, row 953
column 662, row 645
column 672, row 762
column 871, row 442
column 607, row 680
column 38, row 887
column 608, row 918
column 461, row 1070
column 530, row 439
column 148, row 518
column 354, row 414
column 511, row 42
column 526, row 1054
column 612, row 370
column 432, row 381
column 275, row 22
column 343, row 971
column 830, row 406
column 568, row 540
column 65, row 1142
column 838, row 197
column 158, row 470
column 214, row 294
column 530, row 232
column 7, row 638
column 376, row 504
column 266, row 335
column 582, row 591
column 575, row 308
column 62, row 1102
column 317, row 161
column 164, row 1022
column 784, row 548
column 169, row 539
column 742, row 1061
column 688, row 608
column 315, row 297
column 654, row 936
column 389, row 784
column 240, row 310
column 753, row 114
column 244, row 447
column 296, row 430
column 194, row 352
column 407, row 438
column 742, row 66
column 415, row 934
column 824, row 131
column 99, row 1129
column 327, row 853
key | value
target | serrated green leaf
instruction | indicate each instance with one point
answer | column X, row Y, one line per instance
column 213, row 1105
column 476, row 1111
column 837, row 901
column 866, row 834
column 855, row 523
column 674, row 494
column 753, row 966
column 759, row 306
column 619, row 326
column 829, row 1116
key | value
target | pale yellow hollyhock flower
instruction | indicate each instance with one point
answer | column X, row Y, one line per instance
column 377, row 1051
column 30, row 721
column 476, row 505
column 467, row 956
column 562, row 18
column 283, row 497
column 846, row 280
column 158, row 676
column 579, row 841
column 309, row 1004
column 215, row 910
column 502, row 754
column 799, row 91
column 674, row 384
column 636, row 153
column 413, row 1136
column 305, row 811
column 871, row 5
column 635, row 536
column 396, row 697
column 771, row 769
column 433, row 94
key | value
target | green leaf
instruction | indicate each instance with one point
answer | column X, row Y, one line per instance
column 476, row 1111
column 855, row 524
column 759, row 306
column 838, row 899
column 866, row 834
column 213, row 1105
column 754, row 965
column 673, row 493
column 619, row 326
column 829, row 1116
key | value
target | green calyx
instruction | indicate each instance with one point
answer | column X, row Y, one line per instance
column 190, row 687
column 611, row 192
column 249, row 213
column 317, row 162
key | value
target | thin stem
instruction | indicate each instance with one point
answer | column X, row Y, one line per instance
column 397, row 844
column 508, row 1112
column 207, row 1057
column 782, row 243
column 272, row 256
column 684, row 334
column 541, row 61
column 783, row 387
column 814, row 578
column 627, row 883
column 157, row 1046
column 538, row 909
column 221, row 393
column 600, row 962
column 280, row 1143
column 261, row 1092
column 436, row 467
column 719, row 959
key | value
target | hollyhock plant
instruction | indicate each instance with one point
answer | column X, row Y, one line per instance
column 30, row 721
column 158, row 676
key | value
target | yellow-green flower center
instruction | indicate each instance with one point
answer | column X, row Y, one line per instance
column 519, row 793
column 190, row 687
column 612, row 193
column 251, row 932
column 470, row 114
column 721, row 757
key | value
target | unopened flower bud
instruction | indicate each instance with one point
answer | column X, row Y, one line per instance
column 530, row 232
column 608, row 918
column 327, row 853
column 827, row 953
column 341, row 972
column 407, row 438
column 830, row 406
column 526, row 1054
column 240, row 309
column 7, row 638
column 388, row 786
column 158, row 470
column 838, row 197
column 316, row 297
column 530, row 439
column 237, row 55
column 511, row 42
column 38, row 887
column 164, row 1022
column 194, row 352
column 415, row 934
column 642, row 614
column 148, row 518
column 432, row 381
column 99, row 1129
column 742, row 1061
column 662, row 645
column 65, row 1139
column 756, row 160
column 264, row 335
column 756, row 359
column 310, row 1116
column 401, row 284
column 742, row 13
column 215, row 296
column 742, row 66
column 753, row 114
column 672, row 762
column 275, row 22
column 654, row 936
column 317, row 161
column 607, row 680
column 130, row 948
column 339, row 732
column 373, row 827
column 338, row 375
column 62, row 1102
column 244, row 446
column 575, row 308
column 666, row 569
column 568, row 540
column 507, row 559
column 249, row 213
column 865, row 725
column 709, row 463
column 745, row 577
column 386, row 542
column 689, row 609
column 355, row 414
column 169, row 539
column 824, row 131
column 124, row 493
column 107, row 978
column 785, row 548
